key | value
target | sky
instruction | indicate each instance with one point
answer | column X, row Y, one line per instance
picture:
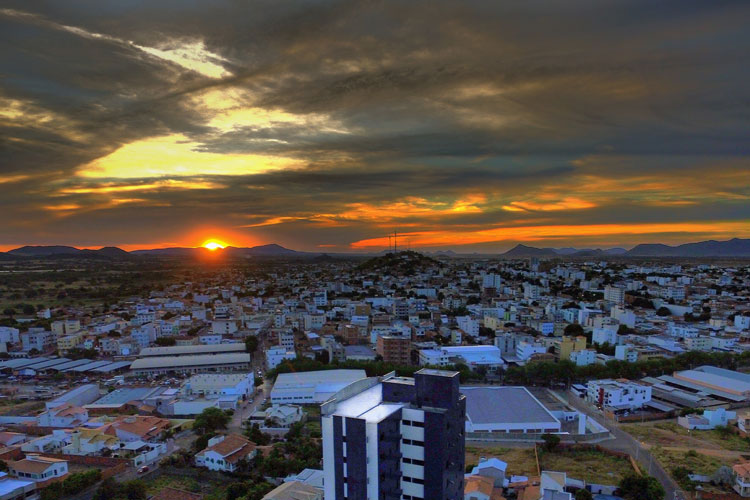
column 326, row 125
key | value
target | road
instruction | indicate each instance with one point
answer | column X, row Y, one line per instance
column 624, row 442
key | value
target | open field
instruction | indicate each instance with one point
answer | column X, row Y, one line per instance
column 669, row 434
column 520, row 461
column 589, row 465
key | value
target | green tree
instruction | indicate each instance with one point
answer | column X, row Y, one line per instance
column 573, row 329
column 584, row 495
column 551, row 441
column 663, row 311
column 251, row 344
column 635, row 487
column 211, row 420
column 165, row 341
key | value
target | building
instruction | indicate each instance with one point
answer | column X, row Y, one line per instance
column 507, row 409
column 39, row 469
column 618, row 394
column 192, row 350
column 81, row 395
column 294, row 490
column 16, row 489
column 614, row 294
column 394, row 349
column 312, row 387
column 712, row 378
column 224, row 452
column 276, row 355
column 68, row 342
column 278, row 416
column 200, row 363
column 567, row 345
column 65, row 415
column 137, row 428
column 359, row 353
column 207, row 385
column 742, row 479
column 481, row 488
column 474, row 356
column 374, row 442
column 709, row 420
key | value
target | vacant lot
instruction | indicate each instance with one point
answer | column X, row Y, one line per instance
column 589, row 465
column 520, row 461
column 669, row 434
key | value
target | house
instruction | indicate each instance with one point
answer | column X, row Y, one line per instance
column 39, row 469
column 11, row 438
column 742, row 479
column 279, row 415
column 294, row 490
column 224, row 452
column 14, row 489
column 743, row 423
column 51, row 443
column 311, row 477
column 492, row 468
column 552, row 486
column 91, row 442
column 65, row 415
column 481, row 488
column 134, row 428
column 710, row 419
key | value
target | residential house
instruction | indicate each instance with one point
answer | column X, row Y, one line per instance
column 224, row 452
column 39, row 469
column 65, row 415
column 133, row 428
column 294, row 490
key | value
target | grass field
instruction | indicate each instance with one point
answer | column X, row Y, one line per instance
column 696, row 462
column 670, row 434
column 588, row 465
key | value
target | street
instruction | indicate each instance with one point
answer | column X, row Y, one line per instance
column 624, row 442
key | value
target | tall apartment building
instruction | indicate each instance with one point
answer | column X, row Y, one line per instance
column 614, row 294
column 394, row 349
column 396, row 438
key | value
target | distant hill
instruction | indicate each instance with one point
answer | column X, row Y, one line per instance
column 404, row 263
column 43, row 251
column 735, row 247
column 526, row 251
column 271, row 250
column 54, row 251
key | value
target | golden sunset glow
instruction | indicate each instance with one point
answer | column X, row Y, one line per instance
column 214, row 245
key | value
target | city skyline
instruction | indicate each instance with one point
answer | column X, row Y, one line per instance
column 327, row 126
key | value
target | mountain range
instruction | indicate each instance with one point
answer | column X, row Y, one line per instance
column 731, row 248
column 735, row 247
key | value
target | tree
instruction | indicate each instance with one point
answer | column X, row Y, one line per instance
column 210, row 420
column 723, row 476
column 663, row 311
column 573, row 329
column 28, row 309
column 258, row 381
column 635, row 487
column 550, row 441
column 165, row 341
column 251, row 344
column 584, row 495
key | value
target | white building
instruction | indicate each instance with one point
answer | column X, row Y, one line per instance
column 525, row 350
column 312, row 387
column 583, row 357
column 618, row 394
column 614, row 294
column 224, row 452
column 38, row 469
column 275, row 355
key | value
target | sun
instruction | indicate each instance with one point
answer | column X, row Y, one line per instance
column 213, row 245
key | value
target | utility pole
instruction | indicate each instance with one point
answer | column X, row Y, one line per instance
column 395, row 241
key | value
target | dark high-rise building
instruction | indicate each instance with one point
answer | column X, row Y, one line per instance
column 396, row 438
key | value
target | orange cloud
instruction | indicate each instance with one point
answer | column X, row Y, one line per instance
column 568, row 203
column 532, row 233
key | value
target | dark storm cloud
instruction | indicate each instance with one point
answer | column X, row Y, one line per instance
column 475, row 113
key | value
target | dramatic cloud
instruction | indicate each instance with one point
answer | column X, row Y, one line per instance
column 326, row 125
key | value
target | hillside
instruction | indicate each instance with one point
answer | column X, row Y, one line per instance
column 404, row 263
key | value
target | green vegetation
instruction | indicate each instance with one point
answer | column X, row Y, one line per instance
column 165, row 341
column 671, row 434
column 635, row 487
column 74, row 483
column 129, row 490
column 211, row 420
column 589, row 465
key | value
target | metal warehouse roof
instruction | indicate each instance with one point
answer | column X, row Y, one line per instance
column 715, row 370
column 316, row 378
column 87, row 366
column 119, row 397
column 700, row 388
column 117, row 365
column 196, row 360
column 504, row 405
column 71, row 364
column 191, row 350
column 21, row 362
column 49, row 363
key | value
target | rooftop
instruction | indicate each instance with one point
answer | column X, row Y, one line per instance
column 485, row 405
column 193, row 360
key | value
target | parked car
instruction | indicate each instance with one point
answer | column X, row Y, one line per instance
column 143, row 469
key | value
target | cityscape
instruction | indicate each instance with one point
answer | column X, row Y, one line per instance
column 374, row 250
